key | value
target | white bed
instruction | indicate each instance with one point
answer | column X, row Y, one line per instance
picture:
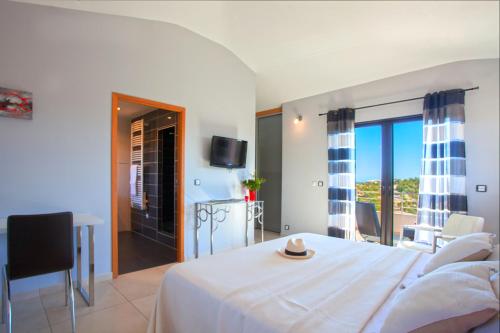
column 345, row 287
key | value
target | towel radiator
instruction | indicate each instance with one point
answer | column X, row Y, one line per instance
column 136, row 158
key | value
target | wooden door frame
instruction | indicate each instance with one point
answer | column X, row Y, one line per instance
column 181, row 122
column 267, row 113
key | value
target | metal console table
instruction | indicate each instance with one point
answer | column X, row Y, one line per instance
column 215, row 212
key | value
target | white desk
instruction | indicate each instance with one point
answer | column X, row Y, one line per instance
column 79, row 221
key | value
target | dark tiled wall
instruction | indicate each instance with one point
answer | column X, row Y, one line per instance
column 146, row 222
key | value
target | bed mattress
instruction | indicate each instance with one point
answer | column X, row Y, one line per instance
column 345, row 287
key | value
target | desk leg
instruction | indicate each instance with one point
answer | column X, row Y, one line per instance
column 88, row 296
column 91, row 266
column 78, row 258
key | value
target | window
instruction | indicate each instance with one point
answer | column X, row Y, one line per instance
column 388, row 155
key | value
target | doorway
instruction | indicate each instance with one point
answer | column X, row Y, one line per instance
column 154, row 182
column 388, row 155
column 269, row 147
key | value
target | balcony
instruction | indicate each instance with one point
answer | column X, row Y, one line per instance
column 405, row 204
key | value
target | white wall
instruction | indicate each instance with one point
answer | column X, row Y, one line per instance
column 72, row 61
column 124, row 210
column 304, row 207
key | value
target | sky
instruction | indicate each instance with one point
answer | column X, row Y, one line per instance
column 407, row 151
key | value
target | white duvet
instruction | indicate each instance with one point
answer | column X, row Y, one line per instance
column 254, row 289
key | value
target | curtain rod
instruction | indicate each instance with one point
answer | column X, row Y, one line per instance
column 395, row 102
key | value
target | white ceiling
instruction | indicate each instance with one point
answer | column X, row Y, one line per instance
column 298, row 49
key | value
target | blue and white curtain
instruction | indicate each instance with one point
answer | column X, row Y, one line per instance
column 442, row 176
column 341, row 174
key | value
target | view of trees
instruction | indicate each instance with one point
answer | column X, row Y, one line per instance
column 405, row 194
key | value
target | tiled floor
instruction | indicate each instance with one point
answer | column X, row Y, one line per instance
column 122, row 305
column 137, row 253
column 268, row 235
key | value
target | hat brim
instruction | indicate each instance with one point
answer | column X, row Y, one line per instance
column 310, row 254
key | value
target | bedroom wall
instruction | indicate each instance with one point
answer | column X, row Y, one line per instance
column 304, row 207
column 72, row 61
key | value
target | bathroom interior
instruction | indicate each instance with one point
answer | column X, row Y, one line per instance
column 147, row 187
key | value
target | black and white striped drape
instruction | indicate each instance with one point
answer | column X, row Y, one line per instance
column 341, row 174
column 442, row 176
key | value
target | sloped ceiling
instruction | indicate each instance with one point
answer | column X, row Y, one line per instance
column 299, row 49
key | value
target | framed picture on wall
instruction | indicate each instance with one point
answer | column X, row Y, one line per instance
column 16, row 103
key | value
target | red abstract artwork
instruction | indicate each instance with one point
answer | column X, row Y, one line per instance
column 16, row 103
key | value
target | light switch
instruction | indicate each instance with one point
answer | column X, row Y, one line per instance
column 314, row 183
column 320, row 183
column 481, row 188
column 197, row 182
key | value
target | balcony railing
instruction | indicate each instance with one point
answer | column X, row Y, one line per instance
column 404, row 202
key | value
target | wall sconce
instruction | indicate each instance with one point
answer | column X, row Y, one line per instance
column 297, row 119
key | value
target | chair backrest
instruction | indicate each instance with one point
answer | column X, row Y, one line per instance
column 39, row 244
column 459, row 225
column 367, row 219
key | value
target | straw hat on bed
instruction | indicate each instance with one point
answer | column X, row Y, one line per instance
column 296, row 249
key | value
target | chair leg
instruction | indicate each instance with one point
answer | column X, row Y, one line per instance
column 7, row 310
column 71, row 300
column 66, row 295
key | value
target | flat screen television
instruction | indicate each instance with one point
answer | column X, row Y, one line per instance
column 228, row 153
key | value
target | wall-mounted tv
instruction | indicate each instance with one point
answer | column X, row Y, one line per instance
column 228, row 153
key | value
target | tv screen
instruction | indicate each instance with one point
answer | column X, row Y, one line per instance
column 228, row 153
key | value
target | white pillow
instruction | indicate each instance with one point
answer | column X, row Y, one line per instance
column 470, row 247
column 470, row 267
column 495, row 254
column 446, row 301
column 495, row 283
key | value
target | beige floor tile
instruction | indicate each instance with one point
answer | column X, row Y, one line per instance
column 145, row 305
column 28, row 316
column 139, row 284
column 165, row 268
column 268, row 235
column 123, row 318
column 35, row 330
column 25, row 295
column 58, row 288
column 105, row 297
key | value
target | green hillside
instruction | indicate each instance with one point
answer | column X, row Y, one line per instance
column 405, row 194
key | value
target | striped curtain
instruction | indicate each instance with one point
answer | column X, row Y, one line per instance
column 341, row 174
column 442, row 176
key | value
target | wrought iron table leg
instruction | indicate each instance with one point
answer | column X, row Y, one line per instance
column 211, row 230
column 197, row 218
column 246, row 223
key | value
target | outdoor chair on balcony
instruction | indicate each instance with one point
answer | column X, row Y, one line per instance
column 456, row 225
column 367, row 221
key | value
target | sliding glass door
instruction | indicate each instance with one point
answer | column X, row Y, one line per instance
column 368, row 182
column 388, row 154
column 407, row 152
